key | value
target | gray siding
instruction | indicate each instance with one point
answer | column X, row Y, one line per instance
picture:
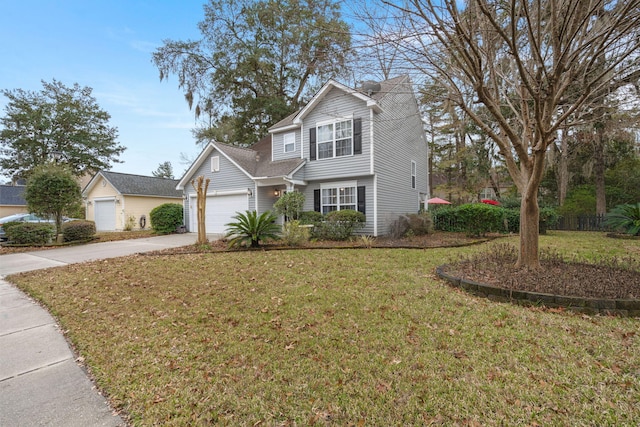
column 338, row 104
column 399, row 139
column 228, row 178
column 266, row 199
column 277, row 145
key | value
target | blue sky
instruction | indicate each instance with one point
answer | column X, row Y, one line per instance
column 107, row 45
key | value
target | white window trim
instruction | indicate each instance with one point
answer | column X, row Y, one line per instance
column 333, row 122
column 414, row 173
column 284, row 142
column 215, row 164
column 338, row 185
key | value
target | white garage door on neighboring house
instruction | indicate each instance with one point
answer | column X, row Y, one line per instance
column 219, row 211
column 105, row 215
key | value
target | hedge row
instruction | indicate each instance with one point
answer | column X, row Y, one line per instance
column 477, row 219
column 42, row 233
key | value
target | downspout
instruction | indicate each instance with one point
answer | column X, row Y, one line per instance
column 375, row 177
column 255, row 197
column 122, row 218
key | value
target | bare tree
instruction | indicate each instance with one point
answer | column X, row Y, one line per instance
column 522, row 60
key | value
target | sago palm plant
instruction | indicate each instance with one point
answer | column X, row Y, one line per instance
column 625, row 218
column 251, row 228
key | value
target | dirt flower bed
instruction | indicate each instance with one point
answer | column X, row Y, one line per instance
column 432, row 240
column 617, row 278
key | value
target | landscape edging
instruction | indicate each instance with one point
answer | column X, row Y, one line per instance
column 590, row 306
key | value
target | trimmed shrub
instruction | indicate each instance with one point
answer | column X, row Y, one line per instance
column 166, row 218
column 311, row 217
column 339, row 225
column 31, row 233
column 480, row 218
column 8, row 225
column 295, row 234
column 74, row 231
column 446, row 218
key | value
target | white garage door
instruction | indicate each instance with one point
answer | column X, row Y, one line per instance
column 219, row 211
column 105, row 215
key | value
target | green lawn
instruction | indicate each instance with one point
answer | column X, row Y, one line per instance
column 341, row 337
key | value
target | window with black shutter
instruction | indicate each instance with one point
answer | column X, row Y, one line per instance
column 312, row 144
column 362, row 200
column 357, row 136
column 316, row 201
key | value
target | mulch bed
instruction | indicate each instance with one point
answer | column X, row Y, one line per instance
column 603, row 280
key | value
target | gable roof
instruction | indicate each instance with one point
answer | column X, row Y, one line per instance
column 254, row 161
column 137, row 185
column 372, row 100
column 12, row 195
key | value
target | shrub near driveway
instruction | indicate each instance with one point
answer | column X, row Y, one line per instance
column 339, row 336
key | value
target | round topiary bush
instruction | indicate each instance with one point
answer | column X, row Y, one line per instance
column 311, row 217
column 75, row 231
column 166, row 218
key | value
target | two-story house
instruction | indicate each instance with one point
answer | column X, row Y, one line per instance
column 362, row 149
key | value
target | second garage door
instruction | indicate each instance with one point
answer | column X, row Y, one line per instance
column 105, row 215
column 219, row 211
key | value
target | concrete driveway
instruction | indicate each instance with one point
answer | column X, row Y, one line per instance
column 40, row 382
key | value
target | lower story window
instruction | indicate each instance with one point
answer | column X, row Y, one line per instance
column 339, row 198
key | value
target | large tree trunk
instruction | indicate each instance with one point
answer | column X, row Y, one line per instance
column 530, row 211
column 529, row 231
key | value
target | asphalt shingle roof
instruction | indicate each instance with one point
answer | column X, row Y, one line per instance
column 139, row 185
column 386, row 87
column 12, row 195
column 256, row 160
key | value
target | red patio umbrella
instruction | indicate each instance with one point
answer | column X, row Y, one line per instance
column 436, row 201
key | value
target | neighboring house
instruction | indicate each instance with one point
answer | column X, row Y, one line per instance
column 12, row 200
column 361, row 149
column 119, row 201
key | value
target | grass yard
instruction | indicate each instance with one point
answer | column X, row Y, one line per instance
column 365, row 337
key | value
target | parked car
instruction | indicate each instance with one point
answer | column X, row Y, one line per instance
column 24, row 217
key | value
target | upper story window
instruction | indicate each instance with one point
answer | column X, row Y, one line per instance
column 215, row 163
column 335, row 139
column 289, row 140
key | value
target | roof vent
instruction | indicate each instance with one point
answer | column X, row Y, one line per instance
column 370, row 87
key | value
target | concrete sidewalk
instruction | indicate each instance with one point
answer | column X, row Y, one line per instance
column 40, row 382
